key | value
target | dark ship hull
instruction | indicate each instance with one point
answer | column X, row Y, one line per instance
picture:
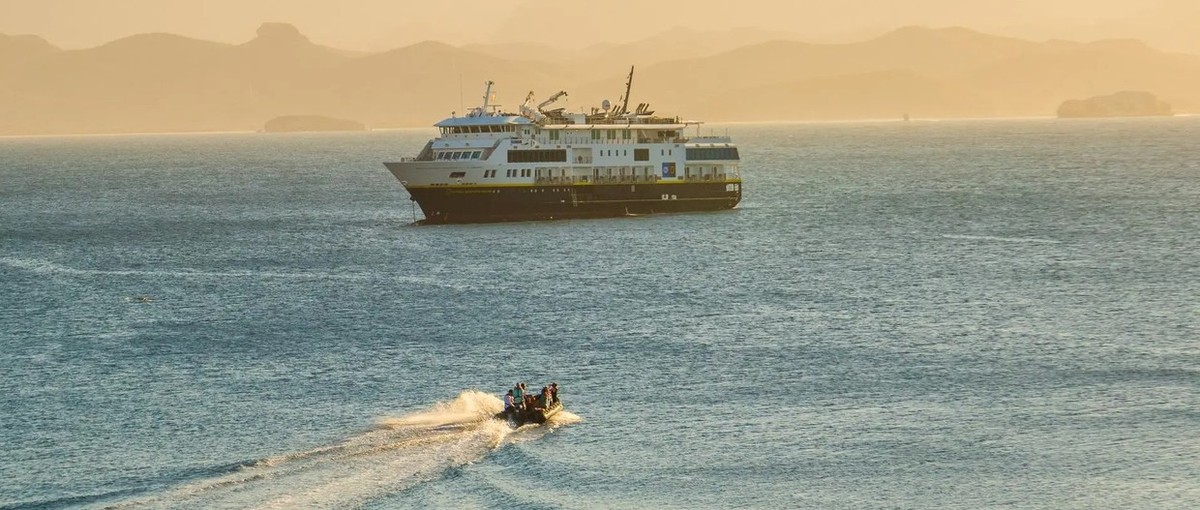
column 481, row 204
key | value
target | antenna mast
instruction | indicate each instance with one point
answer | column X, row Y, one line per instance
column 487, row 96
column 628, row 86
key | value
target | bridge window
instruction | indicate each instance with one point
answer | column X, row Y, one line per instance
column 641, row 154
column 457, row 175
column 595, row 134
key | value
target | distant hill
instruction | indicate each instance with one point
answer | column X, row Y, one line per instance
column 601, row 61
column 1036, row 83
column 163, row 82
column 1122, row 104
column 18, row 49
column 1001, row 76
column 872, row 95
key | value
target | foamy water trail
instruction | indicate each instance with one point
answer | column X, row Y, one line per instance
column 965, row 237
column 50, row 268
column 397, row 453
column 46, row 267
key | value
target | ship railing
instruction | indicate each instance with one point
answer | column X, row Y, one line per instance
column 659, row 139
column 586, row 179
column 707, row 177
column 626, row 179
column 570, row 179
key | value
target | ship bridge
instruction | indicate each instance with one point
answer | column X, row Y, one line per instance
column 482, row 124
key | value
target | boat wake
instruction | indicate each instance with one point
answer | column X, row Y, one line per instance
column 964, row 237
column 43, row 267
column 50, row 268
column 395, row 454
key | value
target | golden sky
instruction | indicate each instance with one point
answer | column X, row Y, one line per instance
column 385, row 24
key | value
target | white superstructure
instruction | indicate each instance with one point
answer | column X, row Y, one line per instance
column 488, row 150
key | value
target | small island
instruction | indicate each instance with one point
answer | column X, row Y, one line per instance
column 303, row 123
column 1121, row 104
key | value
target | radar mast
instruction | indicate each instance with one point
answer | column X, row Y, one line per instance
column 628, row 87
column 487, row 97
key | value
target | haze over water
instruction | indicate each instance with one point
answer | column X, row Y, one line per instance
column 376, row 25
column 971, row 314
column 146, row 66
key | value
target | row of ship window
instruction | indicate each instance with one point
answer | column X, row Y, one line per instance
column 596, row 172
column 554, row 134
column 559, row 155
column 610, row 134
column 491, row 128
column 511, row 172
column 712, row 153
column 459, row 155
column 638, row 154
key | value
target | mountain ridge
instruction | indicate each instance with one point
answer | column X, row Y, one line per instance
column 165, row 82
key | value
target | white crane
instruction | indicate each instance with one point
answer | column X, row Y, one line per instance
column 542, row 107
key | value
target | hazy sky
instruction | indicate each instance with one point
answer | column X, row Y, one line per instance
column 384, row 24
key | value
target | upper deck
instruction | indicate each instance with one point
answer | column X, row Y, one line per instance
column 489, row 119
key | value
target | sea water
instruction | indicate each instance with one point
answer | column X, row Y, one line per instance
column 961, row 314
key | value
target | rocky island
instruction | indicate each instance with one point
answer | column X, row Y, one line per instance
column 1121, row 104
column 302, row 123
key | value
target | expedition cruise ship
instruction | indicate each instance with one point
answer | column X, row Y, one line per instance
column 541, row 164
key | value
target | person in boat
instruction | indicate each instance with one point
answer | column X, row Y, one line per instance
column 543, row 400
column 509, row 403
column 518, row 394
column 553, row 393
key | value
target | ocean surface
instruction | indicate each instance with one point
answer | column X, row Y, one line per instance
column 965, row 314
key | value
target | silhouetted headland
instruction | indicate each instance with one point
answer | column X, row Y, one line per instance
column 1122, row 104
